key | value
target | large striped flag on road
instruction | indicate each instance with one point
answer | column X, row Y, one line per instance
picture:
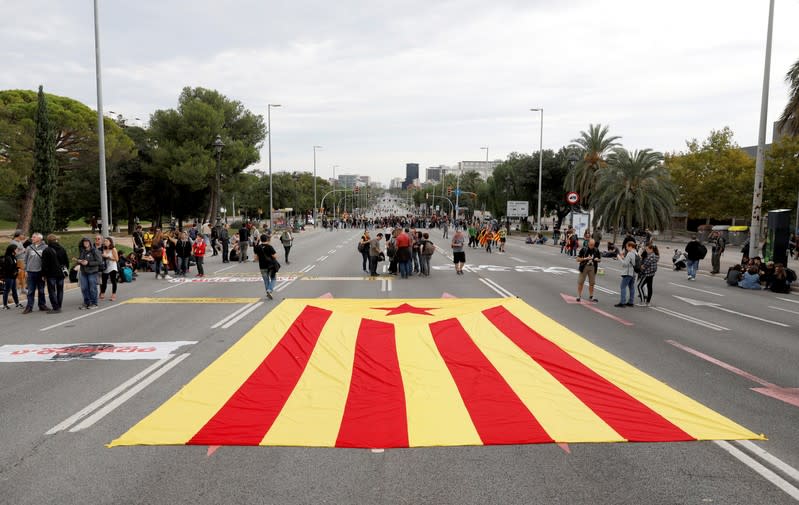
column 412, row 373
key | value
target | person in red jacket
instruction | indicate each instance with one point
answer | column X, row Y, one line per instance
column 198, row 250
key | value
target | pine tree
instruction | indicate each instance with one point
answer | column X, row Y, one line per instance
column 45, row 171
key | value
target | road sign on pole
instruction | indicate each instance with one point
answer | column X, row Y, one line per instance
column 572, row 198
column 518, row 208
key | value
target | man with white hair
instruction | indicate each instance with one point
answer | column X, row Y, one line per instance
column 33, row 269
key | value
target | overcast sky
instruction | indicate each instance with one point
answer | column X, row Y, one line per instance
column 382, row 83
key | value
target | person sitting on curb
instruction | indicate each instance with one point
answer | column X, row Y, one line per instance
column 750, row 279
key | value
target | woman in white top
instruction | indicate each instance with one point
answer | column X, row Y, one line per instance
column 110, row 259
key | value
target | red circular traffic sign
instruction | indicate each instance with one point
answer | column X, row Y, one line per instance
column 572, row 197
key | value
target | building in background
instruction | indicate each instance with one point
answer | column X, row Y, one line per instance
column 396, row 183
column 776, row 136
column 348, row 180
column 411, row 174
column 434, row 174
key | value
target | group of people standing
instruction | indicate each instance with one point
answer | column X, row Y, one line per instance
column 31, row 264
column 408, row 250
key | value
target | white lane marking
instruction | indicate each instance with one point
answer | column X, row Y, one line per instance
column 106, row 397
column 241, row 316
column 611, row 268
column 173, row 285
column 695, row 289
column 605, row 290
column 700, row 303
column 504, row 293
column 383, row 285
column 231, row 316
column 104, row 411
column 89, row 313
column 332, row 251
column 310, row 268
column 770, row 458
column 690, row 319
column 339, row 246
column 518, row 260
column 306, row 268
column 285, row 285
column 223, row 269
column 784, row 310
column 787, row 300
column 321, row 258
column 767, row 474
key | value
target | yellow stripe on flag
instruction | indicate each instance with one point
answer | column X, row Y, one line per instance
column 689, row 415
column 436, row 413
column 562, row 415
column 312, row 414
column 176, row 421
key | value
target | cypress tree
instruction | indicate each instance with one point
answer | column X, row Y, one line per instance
column 45, row 171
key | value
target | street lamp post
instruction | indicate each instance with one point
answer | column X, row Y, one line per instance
column 314, row 182
column 296, row 178
column 269, row 133
column 760, row 161
column 540, row 165
column 100, row 127
column 218, row 145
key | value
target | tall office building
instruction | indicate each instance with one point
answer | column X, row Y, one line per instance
column 411, row 174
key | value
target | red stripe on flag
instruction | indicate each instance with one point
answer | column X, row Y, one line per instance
column 374, row 415
column 629, row 417
column 247, row 415
column 497, row 412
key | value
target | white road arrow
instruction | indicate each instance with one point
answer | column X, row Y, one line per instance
column 701, row 303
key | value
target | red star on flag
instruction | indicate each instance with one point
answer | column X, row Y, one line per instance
column 406, row 309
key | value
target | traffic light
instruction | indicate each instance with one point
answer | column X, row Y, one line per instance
column 449, row 190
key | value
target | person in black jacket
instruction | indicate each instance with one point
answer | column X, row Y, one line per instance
column 182, row 254
column 693, row 250
column 89, row 260
column 9, row 272
column 267, row 263
column 244, row 241
column 54, row 263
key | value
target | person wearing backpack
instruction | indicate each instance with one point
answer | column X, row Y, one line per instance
column 267, row 263
column 287, row 239
column 427, row 251
column 628, row 276
column 695, row 252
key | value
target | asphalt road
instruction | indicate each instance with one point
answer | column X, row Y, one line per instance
column 716, row 354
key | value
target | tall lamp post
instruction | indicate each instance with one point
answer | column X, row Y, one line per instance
column 218, row 145
column 540, row 165
column 573, row 159
column 760, row 160
column 100, row 127
column 269, row 133
column 314, row 182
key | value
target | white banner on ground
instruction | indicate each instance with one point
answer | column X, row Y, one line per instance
column 218, row 280
column 18, row 353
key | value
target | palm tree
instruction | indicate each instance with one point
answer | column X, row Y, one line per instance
column 789, row 121
column 592, row 146
column 634, row 189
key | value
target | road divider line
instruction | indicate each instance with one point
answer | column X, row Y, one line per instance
column 89, row 313
column 502, row 292
column 787, row 300
column 106, row 397
column 722, row 364
column 770, row 458
column 173, row 285
column 231, row 316
column 321, row 258
column 700, row 303
column 690, row 319
column 310, row 268
column 695, row 289
column 764, row 472
column 241, row 315
column 285, row 285
column 518, row 260
column 605, row 290
column 784, row 310
column 119, row 400
column 223, row 269
column 332, row 251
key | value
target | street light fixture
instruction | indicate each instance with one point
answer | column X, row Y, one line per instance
column 269, row 133
column 314, row 183
column 540, row 165
column 218, row 145
column 573, row 159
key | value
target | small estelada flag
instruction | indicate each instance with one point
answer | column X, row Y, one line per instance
column 414, row 373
